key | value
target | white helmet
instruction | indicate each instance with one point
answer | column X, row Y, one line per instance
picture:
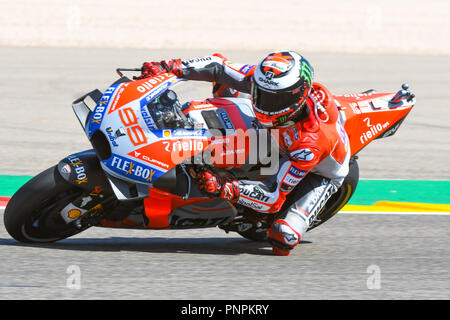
column 280, row 86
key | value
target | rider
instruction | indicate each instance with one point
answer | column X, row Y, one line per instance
column 283, row 97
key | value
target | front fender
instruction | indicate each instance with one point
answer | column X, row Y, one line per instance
column 83, row 170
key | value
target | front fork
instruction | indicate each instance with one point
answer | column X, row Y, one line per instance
column 88, row 209
column 83, row 170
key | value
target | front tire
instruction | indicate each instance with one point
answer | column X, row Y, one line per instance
column 33, row 213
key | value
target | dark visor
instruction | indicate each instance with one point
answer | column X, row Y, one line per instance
column 274, row 102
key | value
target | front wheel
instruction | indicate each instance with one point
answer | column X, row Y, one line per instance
column 33, row 213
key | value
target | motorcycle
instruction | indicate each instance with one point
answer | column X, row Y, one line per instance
column 147, row 147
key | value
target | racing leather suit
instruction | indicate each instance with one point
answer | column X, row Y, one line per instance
column 316, row 147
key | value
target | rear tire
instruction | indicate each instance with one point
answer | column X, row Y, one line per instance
column 341, row 197
column 33, row 213
column 333, row 205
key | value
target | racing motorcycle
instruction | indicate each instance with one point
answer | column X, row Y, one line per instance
column 147, row 147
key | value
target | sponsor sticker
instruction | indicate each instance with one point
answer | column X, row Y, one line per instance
column 133, row 169
column 80, row 171
column 255, row 194
column 66, row 169
column 99, row 111
column 196, row 60
column 148, row 118
column 111, row 136
column 373, row 131
column 226, row 120
column 287, row 140
column 156, row 92
column 246, row 68
column 297, row 172
column 291, row 180
column 150, row 160
column 303, row 155
column 252, row 205
column 74, row 213
column 186, row 145
column 188, row 132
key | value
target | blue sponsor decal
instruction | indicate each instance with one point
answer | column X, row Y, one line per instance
column 226, row 120
column 188, row 132
column 297, row 172
column 154, row 93
column 246, row 68
column 132, row 169
column 111, row 136
column 148, row 118
column 97, row 115
column 296, row 133
column 179, row 133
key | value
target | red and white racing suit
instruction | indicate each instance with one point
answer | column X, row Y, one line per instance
column 317, row 149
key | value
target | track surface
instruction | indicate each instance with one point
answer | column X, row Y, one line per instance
column 332, row 263
column 38, row 128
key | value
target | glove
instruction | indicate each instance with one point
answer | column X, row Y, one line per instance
column 216, row 186
column 151, row 69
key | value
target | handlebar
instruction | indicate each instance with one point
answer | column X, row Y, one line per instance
column 119, row 70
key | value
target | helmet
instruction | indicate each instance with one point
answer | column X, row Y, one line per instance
column 280, row 86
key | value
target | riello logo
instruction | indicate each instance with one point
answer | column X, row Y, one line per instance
column 372, row 132
column 149, row 84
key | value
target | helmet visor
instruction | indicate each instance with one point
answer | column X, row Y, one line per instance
column 275, row 102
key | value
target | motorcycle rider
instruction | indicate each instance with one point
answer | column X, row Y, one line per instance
column 284, row 97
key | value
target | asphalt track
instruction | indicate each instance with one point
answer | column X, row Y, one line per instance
column 335, row 261
column 408, row 254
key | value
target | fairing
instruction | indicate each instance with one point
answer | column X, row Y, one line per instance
column 138, row 151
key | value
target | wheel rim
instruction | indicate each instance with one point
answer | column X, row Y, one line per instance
column 46, row 224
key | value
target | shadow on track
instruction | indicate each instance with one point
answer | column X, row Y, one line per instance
column 217, row 246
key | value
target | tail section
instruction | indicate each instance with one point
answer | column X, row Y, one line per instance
column 372, row 115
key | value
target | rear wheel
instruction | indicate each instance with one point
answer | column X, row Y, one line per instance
column 333, row 205
column 341, row 197
column 33, row 213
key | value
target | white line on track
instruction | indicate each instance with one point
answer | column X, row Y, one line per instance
column 397, row 213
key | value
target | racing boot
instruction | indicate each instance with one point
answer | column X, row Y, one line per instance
column 282, row 237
